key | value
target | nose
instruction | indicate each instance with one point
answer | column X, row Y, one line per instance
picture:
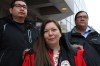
column 22, row 8
column 50, row 32
column 82, row 18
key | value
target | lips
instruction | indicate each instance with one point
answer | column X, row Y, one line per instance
column 51, row 39
column 21, row 13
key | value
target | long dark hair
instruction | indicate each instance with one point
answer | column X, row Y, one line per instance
column 40, row 48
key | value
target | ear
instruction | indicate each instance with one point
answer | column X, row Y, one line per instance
column 10, row 10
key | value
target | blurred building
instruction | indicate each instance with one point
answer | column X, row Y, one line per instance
column 39, row 10
column 69, row 21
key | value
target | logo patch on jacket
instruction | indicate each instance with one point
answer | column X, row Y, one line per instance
column 65, row 63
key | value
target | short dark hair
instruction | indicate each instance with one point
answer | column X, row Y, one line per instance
column 13, row 3
column 79, row 13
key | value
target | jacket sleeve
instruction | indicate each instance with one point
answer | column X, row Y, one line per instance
column 0, row 35
column 28, row 60
column 79, row 60
column 2, row 22
column 1, row 30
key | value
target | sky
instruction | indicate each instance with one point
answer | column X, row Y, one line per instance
column 93, row 10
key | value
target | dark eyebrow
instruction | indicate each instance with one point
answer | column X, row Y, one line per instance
column 20, row 4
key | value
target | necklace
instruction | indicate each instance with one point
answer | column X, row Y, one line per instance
column 55, row 57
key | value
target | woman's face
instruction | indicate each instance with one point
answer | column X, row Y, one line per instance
column 52, row 34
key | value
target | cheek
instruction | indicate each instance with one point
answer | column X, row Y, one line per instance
column 58, row 35
column 45, row 36
column 15, row 11
column 26, row 11
column 76, row 22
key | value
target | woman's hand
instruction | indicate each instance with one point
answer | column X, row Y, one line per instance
column 78, row 46
column 25, row 52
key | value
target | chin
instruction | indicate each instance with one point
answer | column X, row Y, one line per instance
column 22, row 16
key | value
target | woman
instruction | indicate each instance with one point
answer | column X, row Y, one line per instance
column 51, row 49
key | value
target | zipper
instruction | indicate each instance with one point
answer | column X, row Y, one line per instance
column 4, row 26
column 2, row 55
column 29, row 36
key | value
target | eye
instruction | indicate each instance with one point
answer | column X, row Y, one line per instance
column 24, row 6
column 85, row 17
column 54, row 29
column 45, row 31
column 19, row 6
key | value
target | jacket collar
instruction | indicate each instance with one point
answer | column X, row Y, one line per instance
column 74, row 30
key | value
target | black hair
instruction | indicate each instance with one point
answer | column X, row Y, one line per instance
column 79, row 13
column 13, row 3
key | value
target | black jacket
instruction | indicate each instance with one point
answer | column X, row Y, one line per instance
column 14, row 39
column 91, row 45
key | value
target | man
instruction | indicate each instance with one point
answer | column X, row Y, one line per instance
column 84, row 35
column 16, row 34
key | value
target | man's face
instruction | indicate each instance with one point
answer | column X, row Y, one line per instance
column 19, row 9
column 81, row 20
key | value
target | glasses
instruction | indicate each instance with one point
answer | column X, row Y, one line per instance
column 20, row 6
column 80, row 17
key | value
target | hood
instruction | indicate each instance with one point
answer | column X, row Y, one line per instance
column 91, row 30
column 28, row 23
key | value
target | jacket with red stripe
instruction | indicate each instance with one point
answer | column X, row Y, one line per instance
column 78, row 59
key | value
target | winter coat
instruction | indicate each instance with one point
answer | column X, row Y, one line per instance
column 14, row 38
column 73, row 56
column 91, row 45
column 78, row 58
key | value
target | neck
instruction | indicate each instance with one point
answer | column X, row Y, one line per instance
column 81, row 29
column 56, row 49
column 19, row 19
column 56, row 52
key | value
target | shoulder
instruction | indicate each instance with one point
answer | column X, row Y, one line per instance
column 28, row 53
column 79, row 58
column 80, row 52
column 4, row 20
column 2, row 23
column 28, row 56
column 28, row 59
